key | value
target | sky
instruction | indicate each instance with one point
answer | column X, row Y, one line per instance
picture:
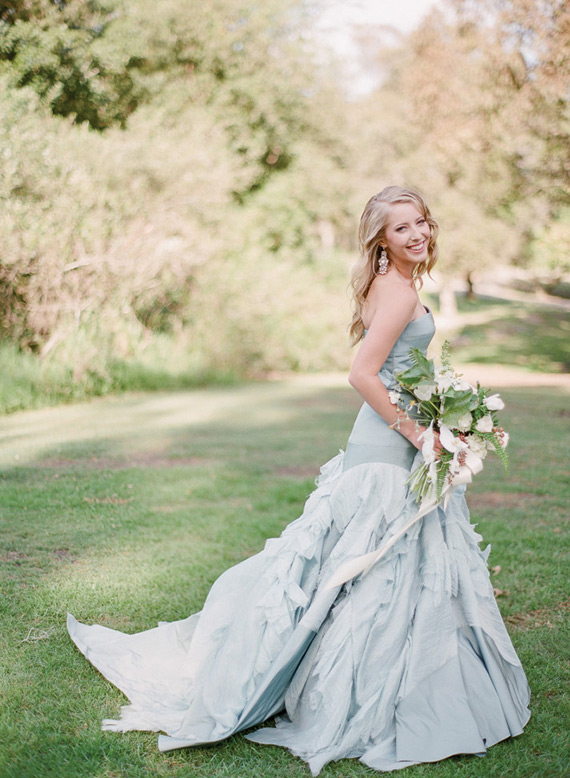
column 338, row 24
column 404, row 15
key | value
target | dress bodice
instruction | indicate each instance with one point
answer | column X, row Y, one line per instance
column 417, row 334
column 372, row 439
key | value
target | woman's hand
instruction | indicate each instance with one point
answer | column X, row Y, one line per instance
column 414, row 435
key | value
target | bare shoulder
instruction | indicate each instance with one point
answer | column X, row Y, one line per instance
column 390, row 297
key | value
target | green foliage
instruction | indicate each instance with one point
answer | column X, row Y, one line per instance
column 70, row 55
column 500, row 451
column 445, row 358
column 422, row 368
column 551, row 246
column 28, row 382
column 221, row 191
column 456, row 402
column 216, row 208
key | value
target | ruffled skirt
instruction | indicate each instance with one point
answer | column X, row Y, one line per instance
column 408, row 663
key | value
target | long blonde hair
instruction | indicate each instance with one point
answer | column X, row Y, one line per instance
column 371, row 236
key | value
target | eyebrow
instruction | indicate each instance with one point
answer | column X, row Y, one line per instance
column 402, row 224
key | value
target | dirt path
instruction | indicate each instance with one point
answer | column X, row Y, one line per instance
column 496, row 376
column 493, row 376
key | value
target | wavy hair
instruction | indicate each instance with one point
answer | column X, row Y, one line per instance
column 371, row 236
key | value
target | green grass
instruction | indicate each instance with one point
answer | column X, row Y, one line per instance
column 29, row 381
column 125, row 510
column 532, row 336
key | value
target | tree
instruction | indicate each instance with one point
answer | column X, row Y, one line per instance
column 530, row 41
column 477, row 99
column 75, row 55
column 227, row 183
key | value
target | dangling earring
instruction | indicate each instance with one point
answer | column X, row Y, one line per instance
column 383, row 262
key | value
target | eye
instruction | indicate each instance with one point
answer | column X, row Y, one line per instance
column 421, row 221
column 399, row 229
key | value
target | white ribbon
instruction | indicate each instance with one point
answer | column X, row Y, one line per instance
column 362, row 564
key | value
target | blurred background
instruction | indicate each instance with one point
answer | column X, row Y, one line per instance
column 181, row 182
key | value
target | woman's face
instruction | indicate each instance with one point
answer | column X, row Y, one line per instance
column 406, row 236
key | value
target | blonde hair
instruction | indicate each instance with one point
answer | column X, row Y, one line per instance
column 371, row 235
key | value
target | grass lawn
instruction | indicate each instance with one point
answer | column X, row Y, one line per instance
column 124, row 511
column 502, row 332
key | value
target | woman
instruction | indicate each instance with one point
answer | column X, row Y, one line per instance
column 408, row 663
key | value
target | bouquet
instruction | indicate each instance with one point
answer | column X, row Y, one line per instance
column 464, row 416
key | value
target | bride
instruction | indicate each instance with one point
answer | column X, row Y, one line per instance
column 408, row 663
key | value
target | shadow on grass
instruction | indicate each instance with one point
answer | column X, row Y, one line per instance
column 506, row 333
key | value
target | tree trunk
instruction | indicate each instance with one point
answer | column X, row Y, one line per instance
column 447, row 301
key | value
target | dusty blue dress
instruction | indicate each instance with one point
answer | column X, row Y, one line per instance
column 408, row 663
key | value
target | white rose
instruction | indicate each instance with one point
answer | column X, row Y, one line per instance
column 444, row 380
column 464, row 422
column 462, row 386
column 477, row 445
column 424, row 391
column 504, row 439
column 485, row 424
column 494, row 403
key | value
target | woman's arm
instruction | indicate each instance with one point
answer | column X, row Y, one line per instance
column 390, row 308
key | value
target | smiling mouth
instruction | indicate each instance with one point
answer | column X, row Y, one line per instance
column 417, row 247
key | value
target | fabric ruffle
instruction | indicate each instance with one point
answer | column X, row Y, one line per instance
column 408, row 663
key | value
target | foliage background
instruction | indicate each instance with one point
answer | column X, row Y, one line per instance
column 181, row 182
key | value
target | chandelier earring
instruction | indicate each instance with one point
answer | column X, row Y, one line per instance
column 383, row 262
